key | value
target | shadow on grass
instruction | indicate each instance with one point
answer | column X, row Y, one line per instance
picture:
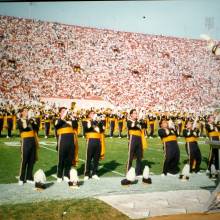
column 81, row 169
column 205, row 159
column 147, row 163
column 52, row 170
column 108, row 167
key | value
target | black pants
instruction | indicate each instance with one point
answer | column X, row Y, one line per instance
column 92, row 155
column 120, row 126
column 112, row 128
column 194, row 153
column 28, row 158
column 213, row 155
column 172, row 156
column 10, row 126
column 38, row 125
column 84, row 123
column 151, row 130
column 47, row 128
column 66, row 151
column 1, row 125
column 135, row 151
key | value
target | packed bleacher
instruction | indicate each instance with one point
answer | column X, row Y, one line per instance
column 128, row 69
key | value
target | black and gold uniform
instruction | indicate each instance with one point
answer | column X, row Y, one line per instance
column 47, row 123
column 192, row 149
column 171, row 150
column 29, row 147
column 38, row 121
column 120, row 120
column 67, row 149
column 137, row 143
column 112, row 121
column 151, row 119
column 95, row 149
column 84, row 120
column 143, row 123
column 10, row 115
column 1, row 121
column 213, row 131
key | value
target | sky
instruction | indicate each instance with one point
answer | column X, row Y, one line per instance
column 178, row 18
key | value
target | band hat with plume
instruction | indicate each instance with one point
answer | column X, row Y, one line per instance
column 39, row 176
column 185, row 172
column 74, row 175
column 146, row 175
column 131, row 175
column 40, row 180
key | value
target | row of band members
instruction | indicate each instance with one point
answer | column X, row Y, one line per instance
column 112, row 121
column 67, row 145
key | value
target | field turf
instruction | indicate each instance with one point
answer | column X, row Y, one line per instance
column 114, row 163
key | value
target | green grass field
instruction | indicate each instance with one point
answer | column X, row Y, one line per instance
column 114, row 163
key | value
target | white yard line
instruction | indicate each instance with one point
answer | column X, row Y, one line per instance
column 120, row 174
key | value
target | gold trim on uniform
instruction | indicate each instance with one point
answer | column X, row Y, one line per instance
column 191, row 139
column 169, row 138
column 214, row 134
column 67, row 130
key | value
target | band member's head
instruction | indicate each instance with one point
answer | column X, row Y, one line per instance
column 62, row 111
column 91, row 114
column 189, row 124
column 211, row 119
column 163, row 124
column 133, row 114
column 24, row 112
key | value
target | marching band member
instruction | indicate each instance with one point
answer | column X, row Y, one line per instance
column 151, row 119
column 47, row 124
column 67, row 148
column 1, row 121
column 9, row 116
column 191, row 134
column 120, row 119
column 95, row 145
column 214, row 135
column 170, row 147
column 137, row 142
column 112, row 122
column 29, row 145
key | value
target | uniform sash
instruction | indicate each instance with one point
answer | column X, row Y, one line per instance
column 169, row 138
column 214, row 134
column 191, row 139
column 140, row 134
column 101, row 137
column 27, row 134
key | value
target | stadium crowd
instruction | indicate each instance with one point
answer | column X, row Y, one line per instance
column 128, row 69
